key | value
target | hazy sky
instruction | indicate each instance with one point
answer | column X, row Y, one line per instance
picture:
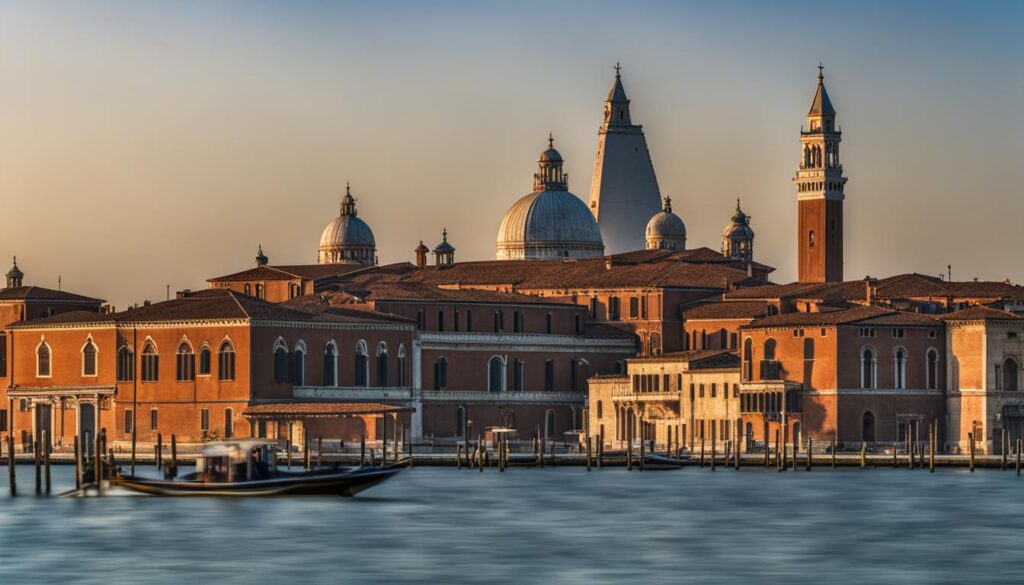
column 145, row 143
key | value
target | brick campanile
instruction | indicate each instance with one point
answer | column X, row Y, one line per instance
column 820, row 185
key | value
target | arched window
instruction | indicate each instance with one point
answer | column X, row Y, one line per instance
column 496, row 374
column 150, row 363
column 460, row 421
column 808, row 348
column 655, row 344
column 617, row 367
column 1010, row 374
column 549, row 424
column 382, row 364
column 205, row 360
column 600, row 409
column 89, row 358
column 299, row 364
column 899, row 358
column 868, row 367
column 248, row 289
column 229, row 423
column 401, row 366
column 125, row 364
column 362, row 364
column 225, row 361
column 549, row 376
column 440, row 373
column 517, row 375
column 43, row 360
column 748, row 359
column 868, row 428
column 185, row 370
column 769, row 349
column 331, row 364
column 280, row 362
column 932, row 371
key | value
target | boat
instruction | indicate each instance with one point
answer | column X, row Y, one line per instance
column 655, row 462
column 249, row 468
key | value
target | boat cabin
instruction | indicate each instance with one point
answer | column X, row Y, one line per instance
column 231, row 461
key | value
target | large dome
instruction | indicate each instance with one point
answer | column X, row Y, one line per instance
column 347, row 230
column 347, row 239
column 549, row 223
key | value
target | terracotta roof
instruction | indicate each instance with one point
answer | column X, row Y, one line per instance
column 38, row 293
column 727, row 310
column 337, row 306
column 68, row 318
column 826, row 316
column 901, row 286
column 980, row 313
column 583, row 274
column 697, row 359
column 218, row 304
column 904, row 318
column 307, row 271
column 417, row 291
column 319, row 409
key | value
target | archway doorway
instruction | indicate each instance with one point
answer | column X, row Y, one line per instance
column 87, row 426
column 868, row 428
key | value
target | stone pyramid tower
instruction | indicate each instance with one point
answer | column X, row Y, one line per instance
column 624, row 193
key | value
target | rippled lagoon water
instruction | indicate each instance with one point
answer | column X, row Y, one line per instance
column 562, row 525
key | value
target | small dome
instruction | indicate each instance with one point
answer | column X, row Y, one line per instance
column 740, row 226
column 551, row 155
column 444, row 247
column 15, row 272
column 666, row 230
column 422, row 248
column 347, row 230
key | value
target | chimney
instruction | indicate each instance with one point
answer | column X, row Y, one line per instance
column 182, row 294
column 869, row 290
column 421, row 255
column 607, row 262
column 145, row 303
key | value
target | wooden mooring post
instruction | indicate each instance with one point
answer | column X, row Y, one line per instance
column 810, row 458
column 362, row 450
column 970, row 437
column 702, row 451
column 288, row 450
column 643, row 458
column 1005, row 445
column 833, row 453
column 1019, row 445
column 910, row 447
column 863, row 454
column 714, row 449
column 778, row 450
column 590, row 441
column 931, row 449
column 159, row 459
column 46, row 461
column 320, row 451
column 78, row 463
column 458, row 455
column 11, row 475
column 97, row 462
column 600, row 451
column 39, row 477
column 174, row 454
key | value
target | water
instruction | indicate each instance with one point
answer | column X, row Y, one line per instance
column 562, row 525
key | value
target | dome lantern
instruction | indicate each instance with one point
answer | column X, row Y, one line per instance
column 15, row 276
column 738, row 238
column 444, row 253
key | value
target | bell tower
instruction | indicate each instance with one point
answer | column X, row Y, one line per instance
column 820, row 192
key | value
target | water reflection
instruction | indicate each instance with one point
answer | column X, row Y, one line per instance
column 561, row 525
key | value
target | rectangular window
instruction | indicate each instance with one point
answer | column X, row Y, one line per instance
column 691, row 392
column 579, row 324
column 419, row 320
column 702, row 390
column 643, row 307
column 733, row 340
column 455, row 323
column 714, row 390
column 866, row 332
column 128, row 421
column 517, row 322
column 440, row 320
column 824, row 332
column 634, row 308
column 613, row 308
column 469, row 320
column 229, row 423
column 547, row 323
column 593, row 307
column 933, row 334
column 665, row 383
column 549, row 376
column 23, row 405
column 154, row 420
column 204, row 420
column 3, row 355
column 1009, row 334
column 735, row 390
column 898, row 333
column 3, row 420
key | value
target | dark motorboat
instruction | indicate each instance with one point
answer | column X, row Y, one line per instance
column 653, row 461
column 249, row 468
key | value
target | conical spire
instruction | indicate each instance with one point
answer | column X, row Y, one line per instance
column 616, row 107
column 821, row 105
column 348, row 202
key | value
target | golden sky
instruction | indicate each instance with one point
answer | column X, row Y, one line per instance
column 145, row 144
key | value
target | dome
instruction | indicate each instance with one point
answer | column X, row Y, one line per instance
column 737, row 237
column 666, row 230
column 347, row 230
column 347, row 239
column 549, row 224
column 444, row 247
